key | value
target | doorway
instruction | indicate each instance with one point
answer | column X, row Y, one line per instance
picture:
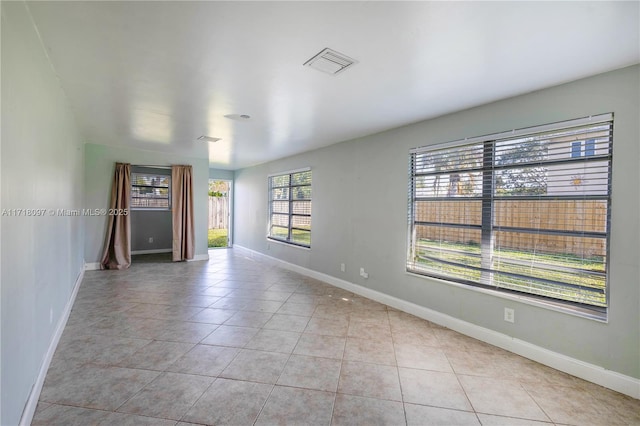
column 219, row 213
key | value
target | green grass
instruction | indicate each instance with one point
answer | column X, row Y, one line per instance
column 298, row 236
column 545, row 266
column 217, row 238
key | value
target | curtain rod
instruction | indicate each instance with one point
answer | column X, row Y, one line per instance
column 151, row 166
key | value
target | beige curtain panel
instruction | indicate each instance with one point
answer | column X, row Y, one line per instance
column 182, row 212
column 117, row 244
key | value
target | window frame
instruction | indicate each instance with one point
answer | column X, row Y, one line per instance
column 291, row 200
column 148, row 171
column 488, row 229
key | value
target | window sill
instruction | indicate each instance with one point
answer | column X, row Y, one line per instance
column 550, row 305
column 284, row 243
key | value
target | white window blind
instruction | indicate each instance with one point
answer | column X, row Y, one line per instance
column 150, row 191
column 517, row 212
column 290, row 207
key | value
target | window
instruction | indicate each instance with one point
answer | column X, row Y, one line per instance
column 517, row 212
column 150, row 191
column 290, row 207
column 576, row 149
column 589, row 148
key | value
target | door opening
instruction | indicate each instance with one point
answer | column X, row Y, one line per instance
column 219, row 213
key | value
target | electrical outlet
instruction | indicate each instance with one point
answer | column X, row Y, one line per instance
column 150, row 239
column 509, row 315
column 363, row 274
column 343, row 267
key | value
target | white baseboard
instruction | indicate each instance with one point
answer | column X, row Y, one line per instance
column 92, row 266
column 154, row 251
column 95, row 266
column 610, row 379
column 32, row 402
column 199, row 257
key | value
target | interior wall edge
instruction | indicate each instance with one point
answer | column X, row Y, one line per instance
column 32, row 401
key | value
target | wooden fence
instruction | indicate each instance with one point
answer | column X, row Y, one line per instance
column 570, row 215
column 218, row 212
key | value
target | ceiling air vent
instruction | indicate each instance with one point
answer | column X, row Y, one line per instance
column 208, row 138
column 330, row 61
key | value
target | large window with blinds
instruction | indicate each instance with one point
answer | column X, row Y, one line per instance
column 525, row 212
column 290, row 207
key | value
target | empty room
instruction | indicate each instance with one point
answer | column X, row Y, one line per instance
column 320, row 213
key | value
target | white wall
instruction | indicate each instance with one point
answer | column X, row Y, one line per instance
column 359, row 218
column 42, row 168
column 100, row 164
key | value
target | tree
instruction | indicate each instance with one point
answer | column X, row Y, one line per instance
column 531, row 179
column 218, row 188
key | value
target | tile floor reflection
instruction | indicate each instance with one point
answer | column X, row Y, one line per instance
column 240, row 342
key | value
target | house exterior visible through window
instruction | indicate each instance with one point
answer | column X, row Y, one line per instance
column 523, row 212
column 290, row 207
column 151, row 191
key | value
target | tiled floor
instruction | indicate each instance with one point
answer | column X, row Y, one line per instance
column 236, row 341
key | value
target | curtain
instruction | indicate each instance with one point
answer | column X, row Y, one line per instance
column 117, row 243
column 182, row 212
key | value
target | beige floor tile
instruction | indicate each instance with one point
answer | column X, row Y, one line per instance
column 104, row 388
column 311, row 373
column 213, row 316
column 295, row 406
column 328, row 326
column 98, row 349
column 491, row 420
column 484, row 364
column 229, row 402
column 197, row 300
column 229, row 303
column 65, row 415
column 368, row 330
column 249, row 319
column 226, row 335
column 287, row 323
column 274, row 341
column 421, row 415
column 257, row 305
column 320, row 346
column 204, row 360
column 122, row 419
column 456, row 341
column 370, row 380
column 163, row 312
column 157, row 355
column 626, row 407
column 169, row 396
column 356, row 410
column 256, row 366
column 340, row 311
column 501, row 397
column 415, row 334
column 572, row 406
column 367, row 350
column 303, row 309
column 433, row 388
column 184, row 331
column 415, row 355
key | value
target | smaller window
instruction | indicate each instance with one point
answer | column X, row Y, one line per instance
column 290, row 208
column 150, row 191
column 589, row 147
column 576, row 149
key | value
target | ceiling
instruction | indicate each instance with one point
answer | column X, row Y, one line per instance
column 157, row 75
